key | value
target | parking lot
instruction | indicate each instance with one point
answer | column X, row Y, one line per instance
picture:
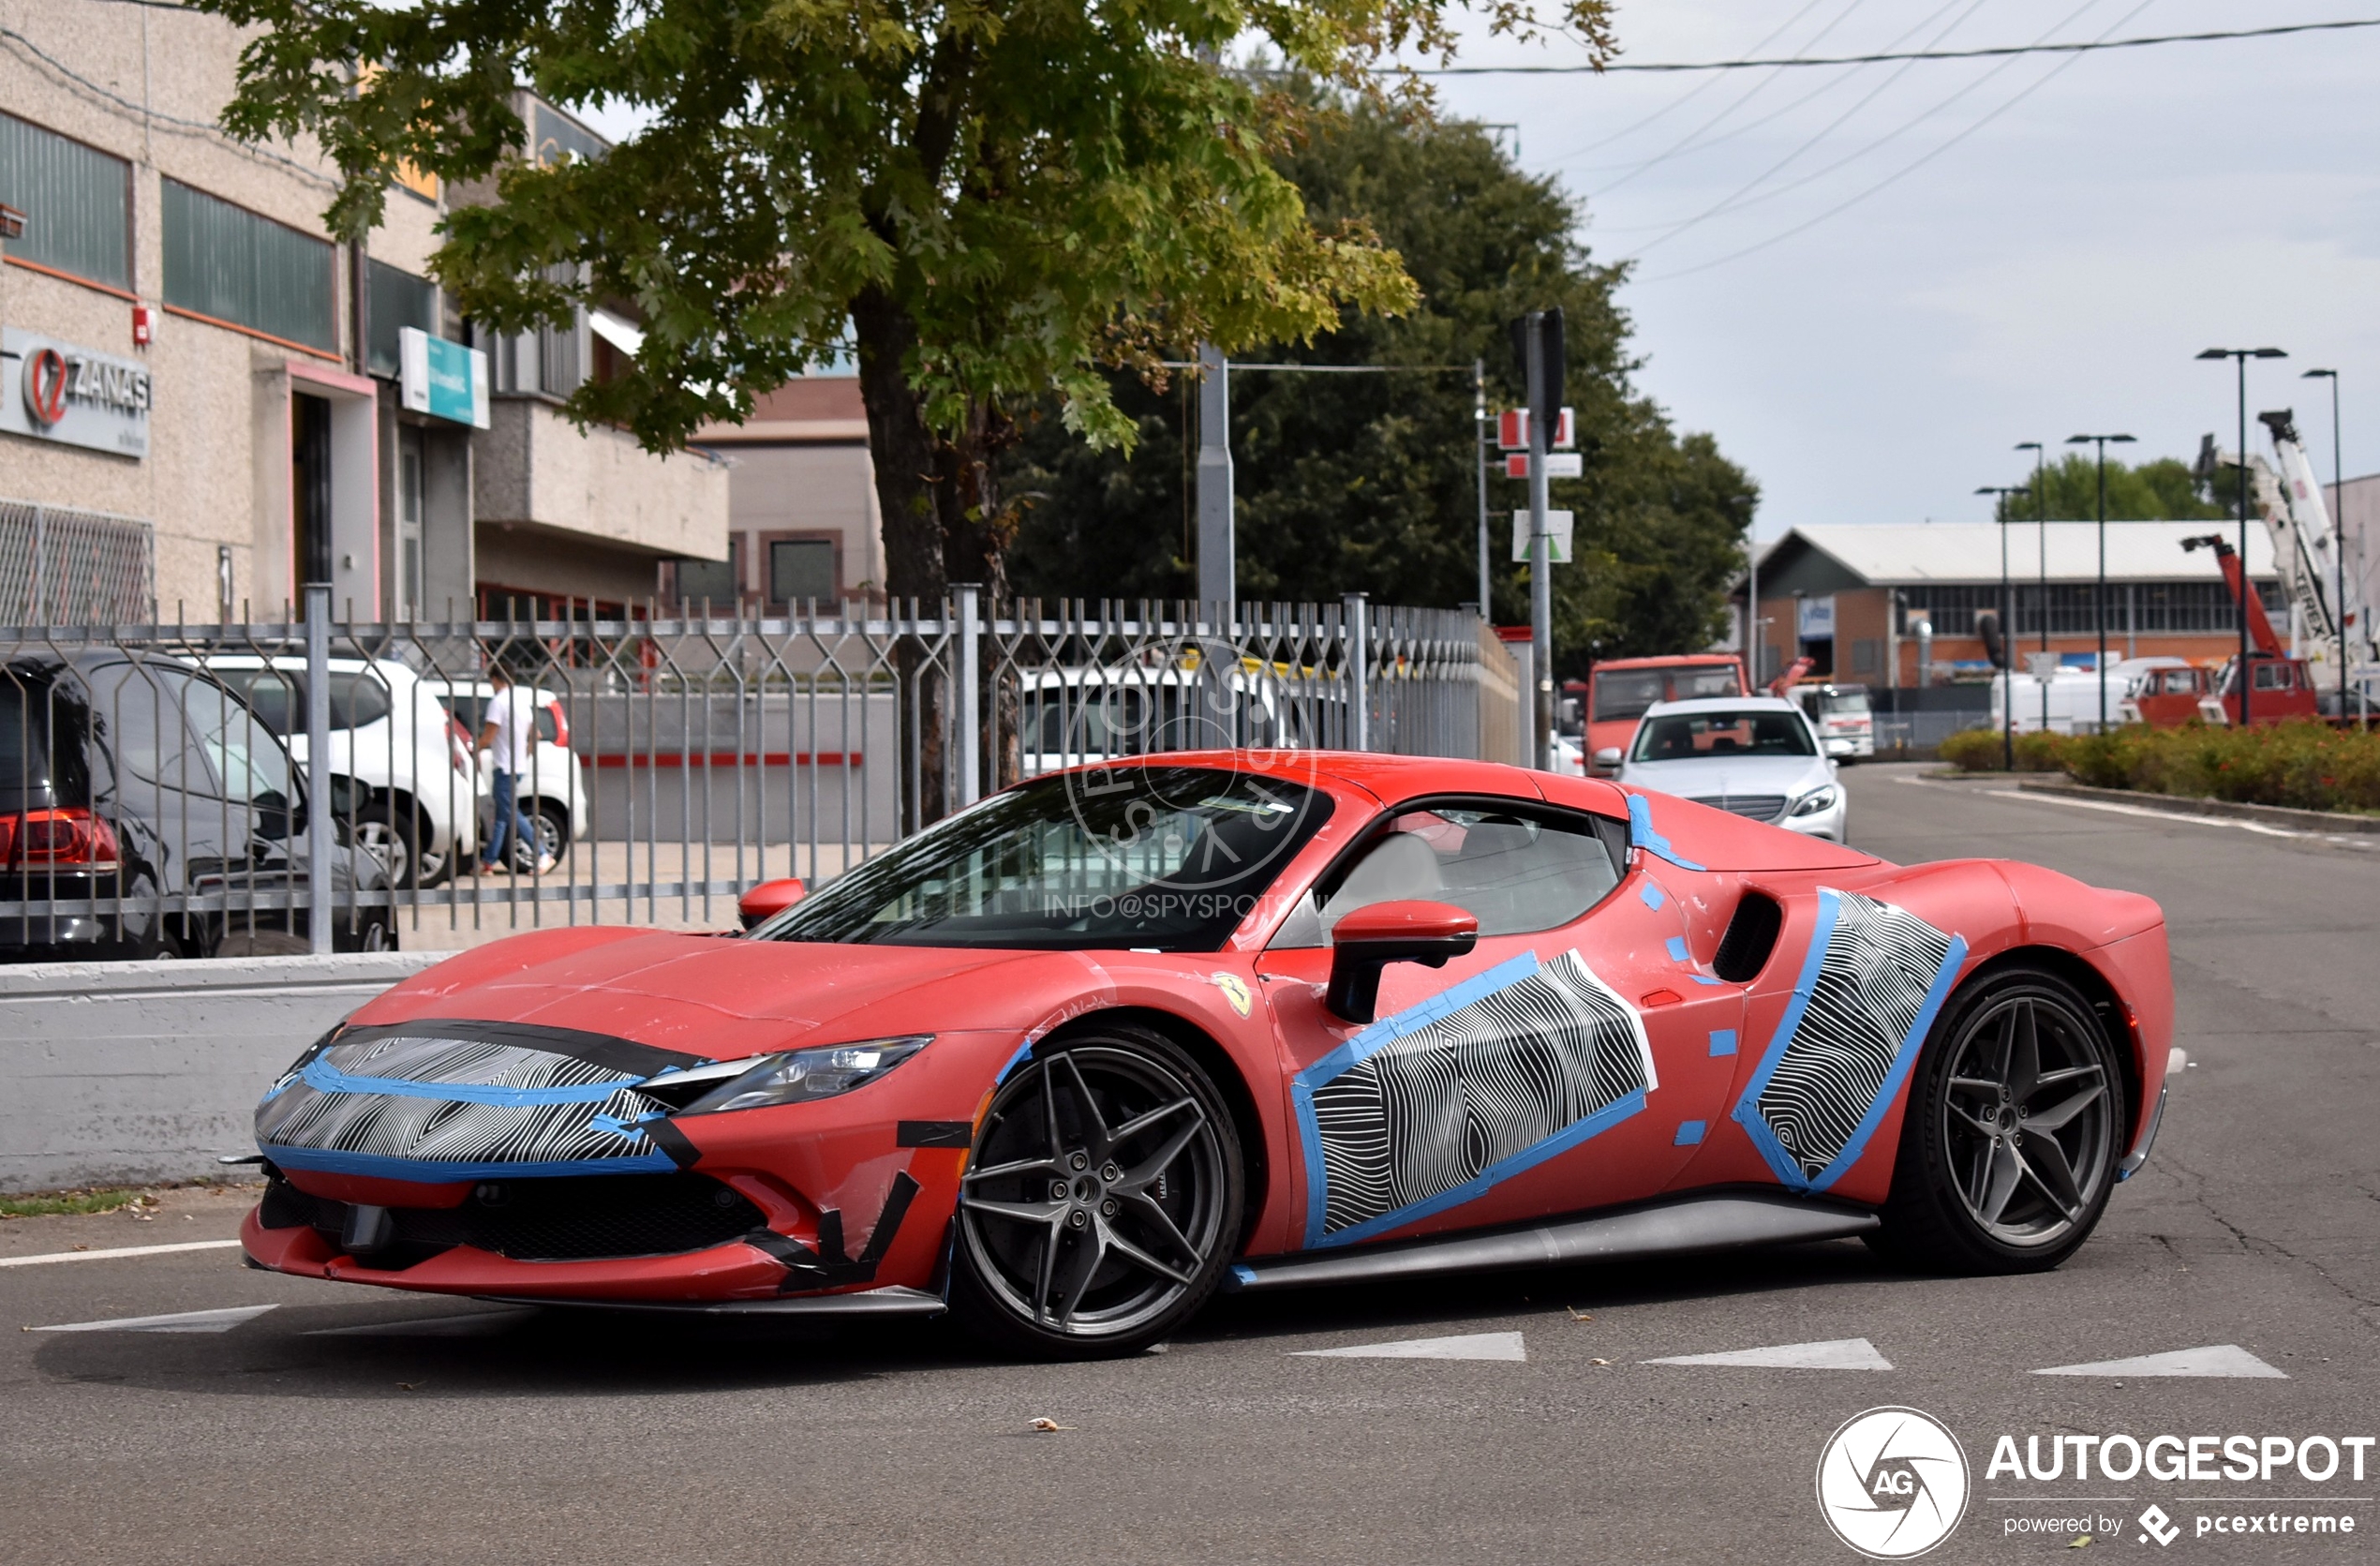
column 299, row 1422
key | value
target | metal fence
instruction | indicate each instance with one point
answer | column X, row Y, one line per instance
column 678, row 760
column 63, row 567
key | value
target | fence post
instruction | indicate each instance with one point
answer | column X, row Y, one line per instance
column 40, row 607
column 970, row 721
column 1525, row 655
column 318, row 766
column 1358, row 613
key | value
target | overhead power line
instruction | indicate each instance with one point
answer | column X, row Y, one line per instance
column 2086, row 48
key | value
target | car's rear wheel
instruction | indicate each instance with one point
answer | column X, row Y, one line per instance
column 552, row 824
column 394, row 836
column 2014, row 1129
column 1102, row 1201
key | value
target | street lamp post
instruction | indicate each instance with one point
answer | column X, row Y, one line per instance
column 2099, row 594
column 2041, row 515
column 2338, row 530
column 2240, row 356
column 2007, row 627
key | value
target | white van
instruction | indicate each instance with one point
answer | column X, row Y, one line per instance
column 1839, row 715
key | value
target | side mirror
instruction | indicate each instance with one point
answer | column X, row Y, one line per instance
column 1608, row 756
column 769, row 898
column 1369, row 939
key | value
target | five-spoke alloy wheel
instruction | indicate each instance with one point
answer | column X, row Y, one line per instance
column 1103, row 1198
column 2014, row 1129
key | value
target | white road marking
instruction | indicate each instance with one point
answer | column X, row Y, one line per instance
column 2220, row 1359
column 2113, row 808
column 478, row 1324
column 187, row 1321
column 1465, row 1346
column 1844, row 1353
column 2177, row 1062
column 120, row 1250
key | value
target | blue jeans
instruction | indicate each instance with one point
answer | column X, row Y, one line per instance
column 512, row 821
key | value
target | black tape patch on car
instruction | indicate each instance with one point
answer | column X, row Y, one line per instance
column 830, row 1266
column 935, row 1133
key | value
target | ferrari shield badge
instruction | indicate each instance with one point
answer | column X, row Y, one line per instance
column 1233, row 991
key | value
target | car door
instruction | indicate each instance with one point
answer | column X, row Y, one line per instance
column 1572, row 1060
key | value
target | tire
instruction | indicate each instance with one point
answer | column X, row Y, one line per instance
column 394, row 836
column 262, row 942
column 553, row 825
column 1146, row 1168
column 2008, row 1152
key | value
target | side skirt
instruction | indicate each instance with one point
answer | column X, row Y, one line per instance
column 1707, row 1223
column 895, row 1299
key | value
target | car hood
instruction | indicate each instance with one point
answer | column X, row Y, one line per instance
column 1708, row 779
column 724, row 998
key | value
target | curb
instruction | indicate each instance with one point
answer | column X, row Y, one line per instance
column 2279, row 816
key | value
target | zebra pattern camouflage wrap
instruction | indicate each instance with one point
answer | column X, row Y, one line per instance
column 1870, row 990
column 418, row 1103
column 1432, row 1107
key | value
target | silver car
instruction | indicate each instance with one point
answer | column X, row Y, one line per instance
column 1754, row 756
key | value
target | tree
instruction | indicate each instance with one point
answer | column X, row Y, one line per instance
column 2161, row 490
column 1368, row 481
column 996, row 197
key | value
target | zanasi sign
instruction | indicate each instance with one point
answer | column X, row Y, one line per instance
column 54, row 390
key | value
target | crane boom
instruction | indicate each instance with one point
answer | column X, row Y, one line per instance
column 2305, row 544
column 2260, row 633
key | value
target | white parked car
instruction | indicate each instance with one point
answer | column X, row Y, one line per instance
column 1755, row 756
column 555, row 791
column 391, row 740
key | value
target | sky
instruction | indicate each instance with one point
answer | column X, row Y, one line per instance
column 2077, row 230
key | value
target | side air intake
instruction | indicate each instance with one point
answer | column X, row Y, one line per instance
column 1751, row 936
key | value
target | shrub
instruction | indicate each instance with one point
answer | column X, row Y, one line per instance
column 1980, row 750
column 2304, row 764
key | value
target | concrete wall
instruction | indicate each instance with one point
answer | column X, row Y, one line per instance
column 121, row 1072
column 534, row 466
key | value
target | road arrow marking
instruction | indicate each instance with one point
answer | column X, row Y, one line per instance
column 1467, row 1345
column 187, row 1321
column 1844, row 1353
column 2220, row 1359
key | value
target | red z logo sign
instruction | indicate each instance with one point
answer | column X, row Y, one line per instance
column 45, row 385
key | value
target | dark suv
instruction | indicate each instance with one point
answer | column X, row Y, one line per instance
column 145, row 812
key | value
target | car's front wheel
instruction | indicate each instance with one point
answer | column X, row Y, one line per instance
column 2010, row 1143
column 1103, row 1199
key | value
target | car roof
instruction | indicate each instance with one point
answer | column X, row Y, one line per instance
column 1392, row 778
column 1723, row 704
column 1676, row 660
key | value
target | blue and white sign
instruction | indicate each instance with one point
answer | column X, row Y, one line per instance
column 1814, row 618
column 442, row 379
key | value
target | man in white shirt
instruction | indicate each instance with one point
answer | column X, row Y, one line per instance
column 508, row 735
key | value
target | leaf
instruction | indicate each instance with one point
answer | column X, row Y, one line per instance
column 1046, row 1425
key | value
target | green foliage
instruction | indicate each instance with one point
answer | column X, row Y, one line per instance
column 2162, row 490
column 1983, row 750
column 2303, row 765
column 1369, row 481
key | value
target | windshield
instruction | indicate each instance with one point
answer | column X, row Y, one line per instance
column 1626, row 693
column 1695, row 735
column 1849, row 702
column 1166, row 857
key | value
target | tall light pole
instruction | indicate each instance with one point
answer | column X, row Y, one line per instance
column 1480, row 425
column 2338, row 530
column 1218, row 565
column 2007, row 627
column 2041, row 515
column 2099, row 594
column 2240, row 356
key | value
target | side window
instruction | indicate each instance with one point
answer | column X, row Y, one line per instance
column 136, row 713
column 358, row 700
column 272, row 694
column 1515, row 873
column 250, row 762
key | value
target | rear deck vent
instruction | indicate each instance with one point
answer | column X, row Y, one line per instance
column 1751, row 936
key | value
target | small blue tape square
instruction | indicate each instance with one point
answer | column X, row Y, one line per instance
column 1652, row 895
column 1723, row 1041
column 1678, row 948
column 1688, row 1134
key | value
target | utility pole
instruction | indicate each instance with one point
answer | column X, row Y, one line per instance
column 1480, row 427
column 1217, row 551
column 1539, row 335
column 2099, row 594
column 2041, row 516
column 2240, row 357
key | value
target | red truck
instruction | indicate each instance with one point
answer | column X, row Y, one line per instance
column 1600, row 712
column 2283, row 688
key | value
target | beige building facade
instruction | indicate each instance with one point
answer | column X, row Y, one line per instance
column 803, row 508
column 173, row 292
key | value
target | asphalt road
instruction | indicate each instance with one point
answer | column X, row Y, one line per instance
column 352, row 1426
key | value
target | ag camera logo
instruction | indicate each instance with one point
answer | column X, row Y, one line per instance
column 1892, row 1482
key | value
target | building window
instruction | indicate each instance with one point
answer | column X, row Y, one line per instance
column 2071, row 608
column 1867, row 655
column 77, row 203
column 712, row 581
column 397, row 300
column 801, row 569
column 228, row 264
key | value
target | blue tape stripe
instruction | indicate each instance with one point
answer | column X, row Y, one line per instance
column 1678, row 953
column 1641, row 832
column 443, row 1170
column 1023, row 1051
column 1936, row 994
column 1689, row 1133
column 1651, row 894
column 1705, row 978
column 1487, row 1179
column 321, row 1075
column 1782, row 1163
column 1723, row 1041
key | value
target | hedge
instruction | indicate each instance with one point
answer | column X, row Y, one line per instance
column 2304, row 764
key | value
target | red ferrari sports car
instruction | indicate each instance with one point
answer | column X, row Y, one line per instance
column 1076, row 1057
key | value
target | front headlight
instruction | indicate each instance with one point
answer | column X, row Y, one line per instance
column 798, row 1076
column 1817, row 799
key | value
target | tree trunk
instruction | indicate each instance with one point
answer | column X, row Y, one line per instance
column 904, row 457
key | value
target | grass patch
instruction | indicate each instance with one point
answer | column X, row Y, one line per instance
column 52, row 1204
